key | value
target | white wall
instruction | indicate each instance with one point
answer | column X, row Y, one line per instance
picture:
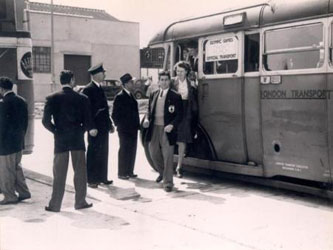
column 116, row 44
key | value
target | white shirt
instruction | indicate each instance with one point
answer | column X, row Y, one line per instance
column 96, row 83
column 182, row 89
column 8, row 92
column 66, row 86
column 126, row 90
column 165, row 91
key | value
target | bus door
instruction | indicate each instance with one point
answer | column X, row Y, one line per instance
column 294, row 101
column 221, row 90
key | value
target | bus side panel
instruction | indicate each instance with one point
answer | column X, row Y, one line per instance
column 220, row 102
column 294, row 123
column 253, row 119
column 330, row 122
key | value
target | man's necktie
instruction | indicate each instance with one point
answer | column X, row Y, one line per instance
column 161, row 95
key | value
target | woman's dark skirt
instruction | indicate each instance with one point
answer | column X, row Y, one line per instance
column 184, row 133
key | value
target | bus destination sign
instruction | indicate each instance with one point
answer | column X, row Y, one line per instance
column 221, row 49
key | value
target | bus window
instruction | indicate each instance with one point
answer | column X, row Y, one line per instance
column 168, row 58
column 331, row 47
column 220, row 55
column 296, row 47
column 178, row 53
column 251, row 57
column 188, row 52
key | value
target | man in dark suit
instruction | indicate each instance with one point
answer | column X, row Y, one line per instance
column 67, row 116
column 164, row 114
column 13, row 126
column 98, row 138
column 125, row 115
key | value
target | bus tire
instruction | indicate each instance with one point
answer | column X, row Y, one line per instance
column 145, row 144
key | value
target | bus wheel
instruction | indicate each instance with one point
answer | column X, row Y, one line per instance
column 146, row 148
column 143, row 133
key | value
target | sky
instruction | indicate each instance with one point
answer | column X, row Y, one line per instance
column 154, row 15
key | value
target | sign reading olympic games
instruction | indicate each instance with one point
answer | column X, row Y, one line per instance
column 222, row 49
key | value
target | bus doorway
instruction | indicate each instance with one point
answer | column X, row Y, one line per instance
column 221, row 96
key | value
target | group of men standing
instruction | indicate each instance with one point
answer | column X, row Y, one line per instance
column 68, row 114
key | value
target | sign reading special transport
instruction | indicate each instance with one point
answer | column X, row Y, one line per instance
column 221, row 49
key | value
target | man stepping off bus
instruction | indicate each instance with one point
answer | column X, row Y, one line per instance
column 164, row 114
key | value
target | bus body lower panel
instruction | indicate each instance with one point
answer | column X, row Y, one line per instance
column 294, row 127
column 223, row 166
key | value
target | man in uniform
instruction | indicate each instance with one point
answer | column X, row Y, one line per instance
column 67, row 116
column 98, row 137
column 13, row 126
column 125, row 115
column 164, row 114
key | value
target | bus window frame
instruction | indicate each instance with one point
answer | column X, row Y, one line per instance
column 322, row 69
column 329, row 44
column 240, row 69
column 253, row 73
column 169, row 46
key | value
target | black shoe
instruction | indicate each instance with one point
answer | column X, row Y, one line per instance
column 88, row 205
column 4, row 202
column 47, row 208
column 107, row 182
column 133, row 175
column 93, row 185
column 22, row 198
column 159, row 179
column 168, row 189
column 123, row 177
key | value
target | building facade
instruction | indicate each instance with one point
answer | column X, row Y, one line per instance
column 82, row 37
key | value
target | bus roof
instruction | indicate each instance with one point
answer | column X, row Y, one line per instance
column 255, row 16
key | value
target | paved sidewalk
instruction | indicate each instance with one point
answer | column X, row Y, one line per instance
column 202, row 213
column 112, row 223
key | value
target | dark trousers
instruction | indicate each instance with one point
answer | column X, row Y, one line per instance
column 127, row 152
column 60, row 167
column 97, row 158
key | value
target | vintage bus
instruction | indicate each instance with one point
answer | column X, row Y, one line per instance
column 15, row 56
column 265, row 77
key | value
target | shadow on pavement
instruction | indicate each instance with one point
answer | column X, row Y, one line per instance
column 144, row 183
column 32, row 210
column 240, row 188
column 90, row 219
column 120, row 193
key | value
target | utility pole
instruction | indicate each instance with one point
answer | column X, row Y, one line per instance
column 52, row 50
